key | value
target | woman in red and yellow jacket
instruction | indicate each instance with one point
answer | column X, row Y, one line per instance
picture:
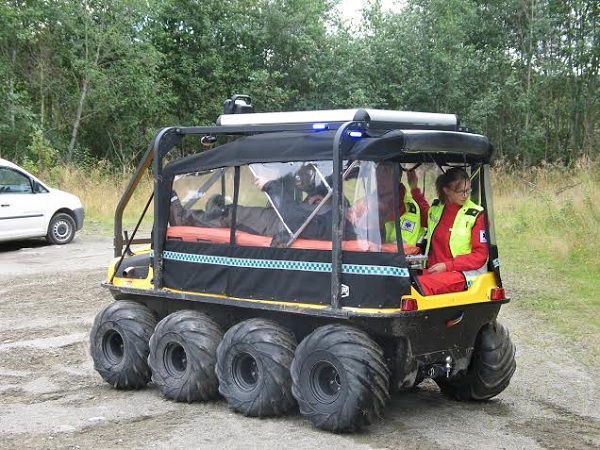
column 457, row 246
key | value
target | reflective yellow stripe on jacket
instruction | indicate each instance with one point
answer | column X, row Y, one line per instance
column 460, row 235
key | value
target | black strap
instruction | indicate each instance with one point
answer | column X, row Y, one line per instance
column 396, row 216
column 236, row 192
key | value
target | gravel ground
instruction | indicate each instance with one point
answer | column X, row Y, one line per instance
column 51, row 397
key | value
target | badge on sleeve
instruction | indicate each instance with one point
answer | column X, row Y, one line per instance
column 407, row 225
column 483, row 236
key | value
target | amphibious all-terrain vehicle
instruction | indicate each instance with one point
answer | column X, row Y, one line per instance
column 268, row 280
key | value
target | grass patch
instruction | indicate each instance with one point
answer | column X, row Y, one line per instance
column 549, row 238
column 100, row 191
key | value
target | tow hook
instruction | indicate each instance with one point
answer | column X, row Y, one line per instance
column 438, row 370
column 448, row 366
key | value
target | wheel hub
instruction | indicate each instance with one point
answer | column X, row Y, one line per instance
column 245, row 372
column 113, row 347
column 175, row 359
column 325, row 382
column 61, row 229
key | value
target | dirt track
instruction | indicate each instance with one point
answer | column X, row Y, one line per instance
column 51, row 397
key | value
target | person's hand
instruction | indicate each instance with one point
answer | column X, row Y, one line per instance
column 314, row 199
column 438, row 268
column 356, row 212
column 413, row 180
column 260, row 182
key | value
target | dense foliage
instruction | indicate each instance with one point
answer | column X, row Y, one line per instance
column 91, row 80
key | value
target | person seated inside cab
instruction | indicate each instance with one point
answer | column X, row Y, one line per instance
column 412, row 210
column 457, row 247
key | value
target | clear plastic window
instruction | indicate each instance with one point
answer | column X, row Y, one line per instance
column 196, row 189
column 369, row 188
column 295, row 196
column 286, row 201
column 200, row 199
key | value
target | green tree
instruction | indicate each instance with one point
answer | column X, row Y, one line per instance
column 17, row 118
column 96, row 79
column 108, row 69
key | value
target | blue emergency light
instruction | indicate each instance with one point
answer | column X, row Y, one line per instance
column 320, row 127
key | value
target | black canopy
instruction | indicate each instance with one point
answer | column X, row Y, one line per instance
column 397, row 145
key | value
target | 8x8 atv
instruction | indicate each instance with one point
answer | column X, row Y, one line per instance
column 270, row 300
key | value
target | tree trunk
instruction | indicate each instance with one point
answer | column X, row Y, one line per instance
column 77, row 123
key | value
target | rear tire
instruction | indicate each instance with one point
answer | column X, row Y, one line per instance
column 253, row 367
column 492, row 366
column 340, row 379
column 119, row 344
column 61, row 229
column 183, row 356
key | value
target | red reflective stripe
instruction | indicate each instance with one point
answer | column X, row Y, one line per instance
column 221, row 236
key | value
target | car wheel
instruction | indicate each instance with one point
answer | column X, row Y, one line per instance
column 253, row 367
column 340, row 379
column 183, row 356
column 61, row 229
column 491, row 368
column 119, row 344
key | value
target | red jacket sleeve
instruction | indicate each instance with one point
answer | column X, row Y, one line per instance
column 423, row 205
column 479, row 250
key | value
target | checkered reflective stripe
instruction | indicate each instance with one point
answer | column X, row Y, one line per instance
column 305, row 266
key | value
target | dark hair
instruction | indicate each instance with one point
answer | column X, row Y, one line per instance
column 449, row 177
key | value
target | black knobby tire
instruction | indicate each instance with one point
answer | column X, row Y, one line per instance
column 491, row 368
column 183, row 356
column 253, row 367
column 119, row 344
column 340, row 378
column 61, row 229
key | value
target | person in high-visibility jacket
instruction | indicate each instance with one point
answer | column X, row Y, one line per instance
column 413, row 213
column 457, row 246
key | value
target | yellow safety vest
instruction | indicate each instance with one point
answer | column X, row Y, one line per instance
column 410, row 223
column 460, row 234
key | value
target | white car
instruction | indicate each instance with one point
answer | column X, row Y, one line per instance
column 30, row 208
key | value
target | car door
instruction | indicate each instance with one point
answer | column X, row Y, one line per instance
column 21, row 211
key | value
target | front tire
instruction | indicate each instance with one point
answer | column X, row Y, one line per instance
column 492, row 366
column 253, row 367
column 183, row 356
column 340, row 379
column 119, row 344
column 61, row 229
